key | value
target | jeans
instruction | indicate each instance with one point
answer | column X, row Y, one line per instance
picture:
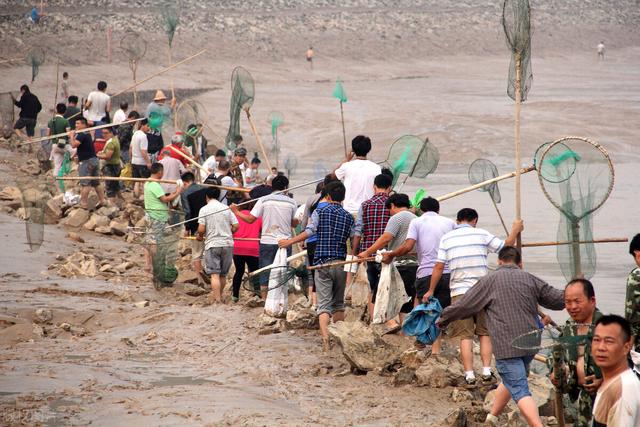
column 514, row 372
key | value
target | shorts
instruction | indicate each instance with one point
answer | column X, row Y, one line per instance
column 514, row 372
column 218, row 260
column 197, row 249
column 24, row 122
column 330, row 286
column 113, row 187
column 467, row 328
column 140, row 171
column 408, row 274
column 267, row 255
column 89, row 167
column 442, row 292
column 373, row 276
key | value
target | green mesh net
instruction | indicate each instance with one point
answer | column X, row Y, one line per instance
column 189, row 113
column 164, row 246
column 170, row 16
column 338, row 92
column 577, row 177
column 413, row 157
column 35, row 58
column 34, row 201
column 242, row 94
column 276, row 119
column 516, row 22
column 7, row 117
column 482, row 170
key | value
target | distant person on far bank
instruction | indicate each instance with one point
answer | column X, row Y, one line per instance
column 601, row 50
column 29, row 106
column 309, row 56
column 64, row 86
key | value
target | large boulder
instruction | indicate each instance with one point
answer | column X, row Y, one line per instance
column 302, row 318
column 439, row 371
column 77, row 217
column 108, row 211
column 193, row 290
column 363, row 349
column 10, row 193
column 119, row 228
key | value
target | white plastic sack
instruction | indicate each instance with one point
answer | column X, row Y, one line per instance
column 391, row 295
column 278, row 295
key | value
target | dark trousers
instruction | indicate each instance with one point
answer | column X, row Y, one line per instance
column 239, row 261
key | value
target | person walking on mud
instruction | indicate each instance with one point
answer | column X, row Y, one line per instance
column 29, row 106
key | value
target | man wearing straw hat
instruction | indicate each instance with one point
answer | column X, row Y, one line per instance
column 157, row 113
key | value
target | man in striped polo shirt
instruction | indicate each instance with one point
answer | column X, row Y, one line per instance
column 465, row 250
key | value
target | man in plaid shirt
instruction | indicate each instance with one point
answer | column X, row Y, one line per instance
column 371, row 221
column 334, row 226
column 510, row 297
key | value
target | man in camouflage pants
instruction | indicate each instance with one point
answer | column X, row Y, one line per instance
column 632, row 302
column 582, row 377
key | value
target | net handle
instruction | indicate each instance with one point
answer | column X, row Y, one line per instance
column 609, row 163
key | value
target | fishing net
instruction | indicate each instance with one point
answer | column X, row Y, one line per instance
column 35, row 58
column 339, row 92
column 290, row 165
column 7, row 117
column 188, row 113
column 412, row 156
column 482, row 170
column 576, row 176
column 34, row 201
column 275, row 118
column 283, row 275
column 242, row 95
column 551, row 336
column 135, row 47
column 170, row 16
column 516, row 22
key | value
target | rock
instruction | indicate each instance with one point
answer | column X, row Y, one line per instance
column 75, row 236
column 461, row 395
column 77, row 217
column 106, row 268
column 188, row 276
column 100, row 220
column 119, row 228
column 142, row 304
column 302, row 318
column 270, row 325
column 53, row 208
column 43, row 315
column 403, row 376
column 412, row 358
column 90, row 225
column 302, row 302
column 141, row 223
column 194, row 290
column 103, row 229
column 38, row 331
column 10, row 193
column 108, row 211
column 65, row 326
column 439, row 371
column 362, row 348
column 32, row 196
column 14, row 204
column 354, row 314
column 121, row 268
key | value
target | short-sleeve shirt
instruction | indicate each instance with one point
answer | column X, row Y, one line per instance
column 85, row 150
column 156, row 208
column 119, row 117
column 172, row 169
column 72, row 115
column 466, row 249
column 427, row 232
column 138, row 143
column 618, row 403
column 97, row 110
column 217, row 219
column 58, row 124
column 277, row 212
column 113, row 144
column 398, row 227
column 357, row 176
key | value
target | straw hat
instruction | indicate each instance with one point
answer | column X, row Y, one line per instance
column 159, row 96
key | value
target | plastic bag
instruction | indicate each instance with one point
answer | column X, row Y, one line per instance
column 421, row 322
column 127, row 172
column 391, row 295
column 278, row 295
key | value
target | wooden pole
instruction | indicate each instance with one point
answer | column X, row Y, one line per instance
column 173, row 91
column 575, row 249
column 518, row 159
column 339, row 263
column 558, row 368
column 258, row 140
column 344, row 133
column 5, row 61
column 189, row 159
column 134, row 69
column 580, row 242
column 162, row 181
column 55, row 97
column 109, row 43
column 483, row 183
column 146, row 79
column 58, row 135
column 269, row 267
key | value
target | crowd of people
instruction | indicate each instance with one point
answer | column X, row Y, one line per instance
column 235, row 216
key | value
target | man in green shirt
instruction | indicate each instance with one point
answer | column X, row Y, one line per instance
column 58, row 124
column 632, row 300
column 111, row 156
column 155, row 203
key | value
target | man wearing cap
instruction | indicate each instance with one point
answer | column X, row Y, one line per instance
column 238, row 164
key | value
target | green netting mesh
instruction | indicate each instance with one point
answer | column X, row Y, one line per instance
column 163, row 243
column 170, row 14
column 7, row 117
column 482, row 170
column 242, row 94
column 413, row 157
column 339, row 92
column 34, row 201
column 550, row 337
column 276, row 119
column 290, row 165
column 190, row 112
column 577, row 176
column 35, row 58
column 516, row 15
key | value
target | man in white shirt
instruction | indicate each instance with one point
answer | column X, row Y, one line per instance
column 211, row 164
column 357, row 173
column 617, row 403
column 223, row 173
column 97, row 106
column 139, row 155
column 121, row 115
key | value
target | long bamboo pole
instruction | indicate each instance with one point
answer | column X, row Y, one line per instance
column 58, row 135
column 162, row 181
column 483, row 183
column 189, row 159
column 269, row 267
column 581, row 242
column 344, row 132
column 55, row 97
column 258, row 140
column 6, row 61
column 339, row 263
column 172, row 66
column 518, row 159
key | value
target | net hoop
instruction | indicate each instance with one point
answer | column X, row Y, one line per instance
column 595, row 144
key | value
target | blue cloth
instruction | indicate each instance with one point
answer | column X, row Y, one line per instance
column 314, row 238
column 421, row 322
